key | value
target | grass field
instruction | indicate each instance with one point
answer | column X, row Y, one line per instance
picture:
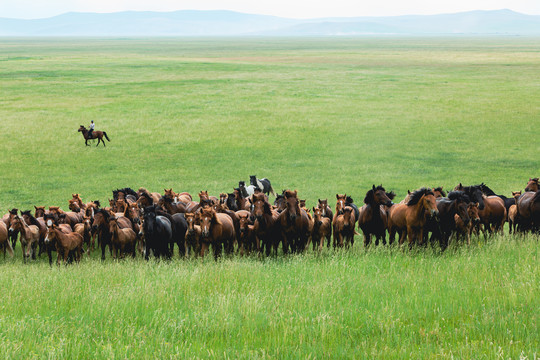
column 321, row 115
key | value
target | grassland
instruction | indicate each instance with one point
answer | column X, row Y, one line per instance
column 318, row 115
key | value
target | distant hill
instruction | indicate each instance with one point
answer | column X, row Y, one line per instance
column 230, row 23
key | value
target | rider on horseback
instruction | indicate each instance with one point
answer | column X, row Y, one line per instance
column 92, row 125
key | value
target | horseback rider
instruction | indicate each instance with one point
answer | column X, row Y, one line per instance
column 92, row 126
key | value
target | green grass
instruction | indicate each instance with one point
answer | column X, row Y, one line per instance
column 321, row 115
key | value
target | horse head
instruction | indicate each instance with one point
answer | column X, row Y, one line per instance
column 340, row 204
column 260, row 206
column 377, row 196
column 292, row 204
column 532, row 185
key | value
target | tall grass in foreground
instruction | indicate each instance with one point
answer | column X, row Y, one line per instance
column 477, row 302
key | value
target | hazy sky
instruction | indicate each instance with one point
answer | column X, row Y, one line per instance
column 31, row 9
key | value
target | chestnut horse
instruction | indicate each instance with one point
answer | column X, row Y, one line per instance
column 65, row 243
column 246, row 233
column 123, row 240
column 6, row 219
column 409, row 219
column 322, row 229
column 372, row 220
column 217, row 229
column 4, row 241
column 295, row 224
column 96, row 134
column 513, row 216
column 29, row 236
column 193, row 235
column 532, row 185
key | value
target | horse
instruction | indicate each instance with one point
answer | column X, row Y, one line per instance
column 230, row 203
column 123, row 240
column 127, row 194
column 528, row 209
column 246, row 233
column 344, row 223
column 96, row 134
column 280, row 203
column 167, row 202
column 29, row 237
column 266, row 226
column 77, row 199
column 85, row 229
column 327, row 213
column 217, row 229
column 493, row 215
column 465, row 229
column 410, row 218
column 372, row 219
column 101, row 227
column 513, row 215
column 242, row 202
column 49, row 218
column 4, row 240
column 322, row 229
column 179, row 227
column 444, row 225
column 263, row 184
column 6, row 219
column 156, row 231
column 40, row 223
column 295, row 224
column 65, row 243
column 193, row 235
column 507, row 201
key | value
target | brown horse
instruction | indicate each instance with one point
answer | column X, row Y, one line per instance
column 123, row 240
column 295, row 224
column 77, row 199
column 410, row 218
column 216, row 229
column 465, row 229
column 101, row 227
column 246, row 233
column 322, row 229
column 439, row 192
column 96, row 134
column 193, row 235
column 85, row 229
column 4, row 241
column 65, row 243
column 6, row 219
column 155, row 196
column 29, row 236
column 493, row 215
column 40, row 223
column 266, row 226
column 344, row 223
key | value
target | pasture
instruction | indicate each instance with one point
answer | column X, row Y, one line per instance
column 320, row 115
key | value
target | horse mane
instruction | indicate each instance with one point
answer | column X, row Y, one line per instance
column 460, row 196
column 440, row 189
column 349, row 200
column 417, row 195
column 370, row 195
column 145, row 194
column 486, row 190
column 13, row 211
column 391, row 195
column 33, row 220
column 97, row 203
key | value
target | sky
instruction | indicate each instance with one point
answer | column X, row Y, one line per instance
column 301, row 9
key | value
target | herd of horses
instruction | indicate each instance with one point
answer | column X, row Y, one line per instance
column 244, row 221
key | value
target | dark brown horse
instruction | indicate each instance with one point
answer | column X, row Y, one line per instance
column 372, row 220
column 193, row 235
column 29, row 236
column 266, row 226
column 96, row 134
column 465, row 229
column 123, row 240
column 246, row 233
column 294, row 223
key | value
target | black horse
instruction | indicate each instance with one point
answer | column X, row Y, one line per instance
column 442, row 227
column 263, row 184
column 373, row 219
column 157, row 231
column 474, row 192
column 179, row 229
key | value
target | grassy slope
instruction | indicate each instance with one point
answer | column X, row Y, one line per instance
column 319, row 115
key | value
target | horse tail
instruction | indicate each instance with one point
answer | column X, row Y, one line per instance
column 271, row 189
column 105, row 134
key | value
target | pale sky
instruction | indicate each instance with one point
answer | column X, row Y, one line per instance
column 33, row 9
